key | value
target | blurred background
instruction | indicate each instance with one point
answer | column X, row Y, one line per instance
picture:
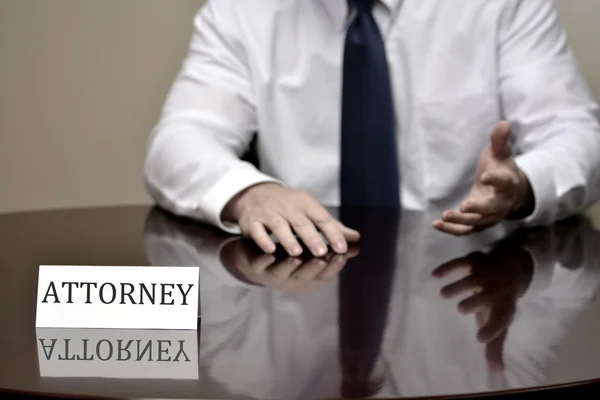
column 82, row 83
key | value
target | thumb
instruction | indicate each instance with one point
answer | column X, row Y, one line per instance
column 500, row 140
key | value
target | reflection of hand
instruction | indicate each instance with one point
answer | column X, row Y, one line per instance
column 493, row 284
column 279, row 271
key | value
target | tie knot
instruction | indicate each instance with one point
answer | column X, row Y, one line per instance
column 362, row 6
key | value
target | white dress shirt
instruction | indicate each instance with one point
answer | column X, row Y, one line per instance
column 457, row 68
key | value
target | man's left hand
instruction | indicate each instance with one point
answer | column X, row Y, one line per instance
column 501, row 190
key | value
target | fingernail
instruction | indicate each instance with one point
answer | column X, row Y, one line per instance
column 321, row 251
column 341, row 246
column 296, row 250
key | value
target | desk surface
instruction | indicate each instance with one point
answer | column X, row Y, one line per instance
column 409, row 312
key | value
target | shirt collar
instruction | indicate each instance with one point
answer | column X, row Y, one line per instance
column 338, row 10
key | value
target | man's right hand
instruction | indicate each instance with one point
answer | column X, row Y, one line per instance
column 270, row 207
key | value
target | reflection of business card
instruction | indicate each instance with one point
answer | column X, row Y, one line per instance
column 114, row 353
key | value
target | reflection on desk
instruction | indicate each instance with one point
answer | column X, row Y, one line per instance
column 426, row 315
column 118, row 354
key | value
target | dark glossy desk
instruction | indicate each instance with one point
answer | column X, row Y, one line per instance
column 409, row 312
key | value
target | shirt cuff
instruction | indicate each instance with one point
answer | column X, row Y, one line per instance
column 543, row 265
column 538, row 167
column 235, row 181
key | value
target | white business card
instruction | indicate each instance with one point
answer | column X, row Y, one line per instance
column 118, row 297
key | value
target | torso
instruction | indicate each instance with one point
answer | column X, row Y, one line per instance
column 443, row 61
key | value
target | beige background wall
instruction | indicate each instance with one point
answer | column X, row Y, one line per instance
column 82, row 83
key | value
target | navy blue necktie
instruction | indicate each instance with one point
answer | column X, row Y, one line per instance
column 369, row 161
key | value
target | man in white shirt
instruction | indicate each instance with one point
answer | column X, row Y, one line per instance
column 492, row 119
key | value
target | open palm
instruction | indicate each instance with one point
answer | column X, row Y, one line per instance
column 500, row 189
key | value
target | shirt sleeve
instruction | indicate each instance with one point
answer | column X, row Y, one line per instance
column 566, row 264
column 193, row 165
column 554, row 117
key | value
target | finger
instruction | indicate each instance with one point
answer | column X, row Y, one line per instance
column 494, row 353
column 257, row 232
column 453, row 229
column 307, row 232
column 461, row 218
column 249, row 249
column 482, row 316
column 321, row 218
column 254, row 270
column 310, row 269
column 351, row 235
column 475, row 302
column 478, row 221
column 502, row 179
column 262, row 262
column 457, row 265
column 276, row 273
column 488, row 206
column 281, row 229
column 500, row 140
column 498, row 322
column 336, row 264
column 301, row 286
column 468, row 283
column 332, row 230
column 282, row 270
